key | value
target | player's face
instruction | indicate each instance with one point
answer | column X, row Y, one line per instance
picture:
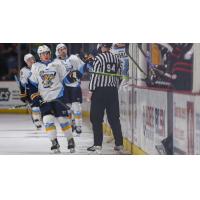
column 30, row 61
column 46, row 56
column 62, row 52
column 104, row 49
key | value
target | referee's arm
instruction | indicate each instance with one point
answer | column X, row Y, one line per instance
column 96, row 67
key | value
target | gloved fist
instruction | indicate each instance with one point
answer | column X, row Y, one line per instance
column 38, row 101
column 73, row 76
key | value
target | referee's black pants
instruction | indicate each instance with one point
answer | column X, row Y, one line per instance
column 105, row 98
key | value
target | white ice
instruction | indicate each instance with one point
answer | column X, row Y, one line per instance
column 18, row 135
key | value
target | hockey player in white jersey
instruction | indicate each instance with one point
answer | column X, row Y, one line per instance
column 48, row 92
column 73, row 93
column 25, row 73
column 119, row 50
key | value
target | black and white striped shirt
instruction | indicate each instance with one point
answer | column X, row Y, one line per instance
column 108, row 64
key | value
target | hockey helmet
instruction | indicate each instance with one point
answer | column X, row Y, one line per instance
column 42, row 49
column 27, row 56
column 61, row 45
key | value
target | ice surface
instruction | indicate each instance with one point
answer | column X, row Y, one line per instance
column 18, row 135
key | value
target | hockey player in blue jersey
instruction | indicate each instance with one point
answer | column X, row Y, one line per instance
column 25, row 73
column 73, row 92
column 47, row 91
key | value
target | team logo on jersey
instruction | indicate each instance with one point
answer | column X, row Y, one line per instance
column 47, row 78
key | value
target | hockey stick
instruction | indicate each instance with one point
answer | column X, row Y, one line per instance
column 19, row 106
column 109, row 74
column 115, row 75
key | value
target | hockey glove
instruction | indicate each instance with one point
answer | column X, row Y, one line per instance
column 38, row 101
column 73, row 76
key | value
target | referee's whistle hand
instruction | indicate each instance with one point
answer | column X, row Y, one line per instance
column 89, row 95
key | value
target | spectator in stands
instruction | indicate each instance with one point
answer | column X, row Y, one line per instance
column 8, row 55
column 181, row 62
column 176, row 67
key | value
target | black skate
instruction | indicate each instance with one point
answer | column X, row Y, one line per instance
column 37, row 124
column 119, row 149
column 95, row 149
column 71, row 145
column 39, row 127
column 73, row 125
column 55, row 146
column 78, row 130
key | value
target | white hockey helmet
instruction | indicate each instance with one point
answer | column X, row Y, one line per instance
column 42, row 49
column 27, row 56
column 61, row 45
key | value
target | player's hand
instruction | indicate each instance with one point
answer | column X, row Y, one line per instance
column 89, row 96
column 38, row 101
column 73, row 76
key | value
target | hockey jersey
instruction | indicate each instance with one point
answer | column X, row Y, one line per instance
column 48, row 78
column 25, row 73
column 121, row 54
column 72, row 63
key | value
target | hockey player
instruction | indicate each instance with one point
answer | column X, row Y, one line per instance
column 73, row 93
column 25, row 73
column 48, row 92
column 119, row 50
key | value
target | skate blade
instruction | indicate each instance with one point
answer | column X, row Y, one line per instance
column 121, row 152
column 56, row 151
column 72, row 150
column 160, row 149
column 94, row 152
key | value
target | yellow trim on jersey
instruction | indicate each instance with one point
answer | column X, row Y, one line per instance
column 23, row 95
column 66, row 128
column 51, row 128
column 33, row 96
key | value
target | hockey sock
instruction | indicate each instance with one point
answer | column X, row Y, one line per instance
column 76, row 106
column 36, row 116
column 66, row 127
column 50, row 126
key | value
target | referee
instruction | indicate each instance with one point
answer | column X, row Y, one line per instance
column 103, row 86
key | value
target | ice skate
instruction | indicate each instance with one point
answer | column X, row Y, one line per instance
column 55, row 148
column 71, row 145
column 95, row 149
column 119, row 149
column 73, row 125
column 78, row 130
